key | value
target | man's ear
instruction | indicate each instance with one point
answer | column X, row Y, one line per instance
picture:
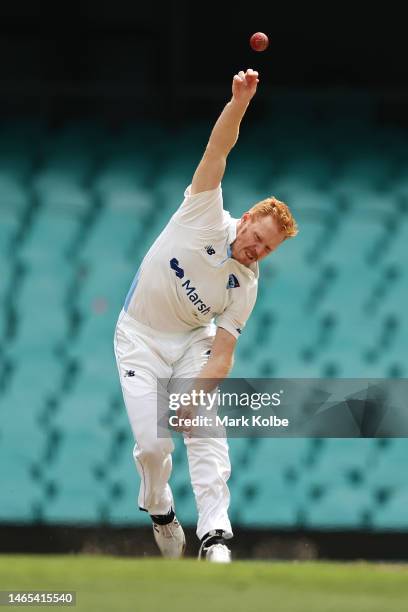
column 246, row 217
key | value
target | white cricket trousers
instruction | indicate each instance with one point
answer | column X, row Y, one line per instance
column 143, row 356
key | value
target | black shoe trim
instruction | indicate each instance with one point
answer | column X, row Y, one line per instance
column 163, row 519
column 214, row 536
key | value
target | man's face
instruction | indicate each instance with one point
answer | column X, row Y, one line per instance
column 255, row 239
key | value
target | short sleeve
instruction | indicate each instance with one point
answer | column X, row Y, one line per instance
column 202, row 210
column 236, row 314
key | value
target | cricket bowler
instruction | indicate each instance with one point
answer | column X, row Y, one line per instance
column 185, row 310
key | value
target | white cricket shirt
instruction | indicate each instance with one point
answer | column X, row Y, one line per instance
column 188, row 277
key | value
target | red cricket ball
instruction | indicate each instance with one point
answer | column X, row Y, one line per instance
column 259, row 41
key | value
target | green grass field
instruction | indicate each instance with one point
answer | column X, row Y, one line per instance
column 118, row 584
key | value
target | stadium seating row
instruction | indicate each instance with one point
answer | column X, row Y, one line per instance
column 79, row 206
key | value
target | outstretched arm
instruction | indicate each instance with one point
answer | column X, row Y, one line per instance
column 225, row 133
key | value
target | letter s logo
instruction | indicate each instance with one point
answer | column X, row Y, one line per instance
column 174, row 266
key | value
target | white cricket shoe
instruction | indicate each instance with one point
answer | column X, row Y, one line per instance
column 170, row 539
column 213, row 548
column 218, row 553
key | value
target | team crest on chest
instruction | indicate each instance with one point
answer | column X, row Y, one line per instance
column 232, row 282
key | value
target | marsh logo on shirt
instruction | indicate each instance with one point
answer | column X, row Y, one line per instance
column 188, row 287
column 174, row 266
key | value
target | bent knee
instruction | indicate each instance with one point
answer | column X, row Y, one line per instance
column 153, row 449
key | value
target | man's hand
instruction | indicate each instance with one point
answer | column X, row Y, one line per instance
column 244, row 85
column 183, row 413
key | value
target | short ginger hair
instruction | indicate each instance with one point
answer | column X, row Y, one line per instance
column 279, row 211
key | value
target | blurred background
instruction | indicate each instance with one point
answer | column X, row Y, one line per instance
column 105, row 109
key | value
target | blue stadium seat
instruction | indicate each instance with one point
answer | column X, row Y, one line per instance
column 392, row 515
column 270, row 501
column 341, row 507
